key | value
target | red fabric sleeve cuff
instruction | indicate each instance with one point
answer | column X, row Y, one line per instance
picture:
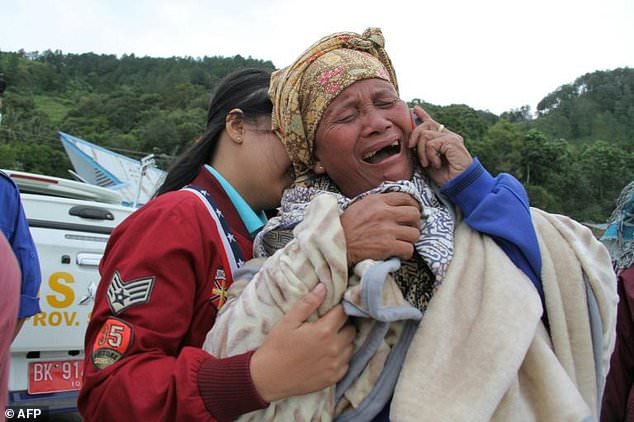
column 226, row 387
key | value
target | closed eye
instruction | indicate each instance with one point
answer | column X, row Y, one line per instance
column 386, row 103
column 346, row 118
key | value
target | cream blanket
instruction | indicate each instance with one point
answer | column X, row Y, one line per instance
column 481, row 352
column 263, row 291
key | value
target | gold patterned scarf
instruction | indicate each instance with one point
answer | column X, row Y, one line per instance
column 301, row 92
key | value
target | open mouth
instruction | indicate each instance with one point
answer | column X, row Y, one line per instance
column 382, row 154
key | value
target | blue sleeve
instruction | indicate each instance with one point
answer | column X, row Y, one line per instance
column 499, row 207
column 15, row 227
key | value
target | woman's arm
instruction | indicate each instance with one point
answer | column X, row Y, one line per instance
column 499, row 207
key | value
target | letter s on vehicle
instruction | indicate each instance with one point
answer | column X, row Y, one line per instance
column 56, row 281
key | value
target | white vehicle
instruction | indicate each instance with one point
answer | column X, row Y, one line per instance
column 70, row 223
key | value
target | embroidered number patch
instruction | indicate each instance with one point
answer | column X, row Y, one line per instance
column 123, row 294
column 111, row 343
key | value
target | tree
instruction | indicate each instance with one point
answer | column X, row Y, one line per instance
column 522, row 114
column 610, row 168
column 35, row 158
column 570, row 112
column 500, row 150
column 541, row 158
column 160, row 135
column 463, row 120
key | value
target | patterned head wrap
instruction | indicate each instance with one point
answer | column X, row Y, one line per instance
column 619, row 236
column 302, row 91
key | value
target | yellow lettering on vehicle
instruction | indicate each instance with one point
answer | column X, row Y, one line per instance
column 39, row 319
column 56, row 282
column 55, row 319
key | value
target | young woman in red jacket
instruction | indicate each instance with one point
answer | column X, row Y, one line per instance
column 167, row 268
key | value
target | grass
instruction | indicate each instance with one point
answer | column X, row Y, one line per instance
column 55, row 108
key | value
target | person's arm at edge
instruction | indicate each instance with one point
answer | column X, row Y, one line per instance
column 618, row 395
column 24, row 249
column 26, row 252
column 499, row 207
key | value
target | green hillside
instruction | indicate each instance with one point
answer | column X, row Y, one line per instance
column 573, row 154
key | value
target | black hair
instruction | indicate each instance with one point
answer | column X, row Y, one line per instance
column 246, row 89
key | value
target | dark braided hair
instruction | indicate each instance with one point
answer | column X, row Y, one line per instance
column 246, row 89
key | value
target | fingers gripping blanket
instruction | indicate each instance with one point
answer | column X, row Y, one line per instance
column 265, row 290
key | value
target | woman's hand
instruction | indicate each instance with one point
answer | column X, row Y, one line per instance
column 300, row 357
column 439, row 150
column 381, row 226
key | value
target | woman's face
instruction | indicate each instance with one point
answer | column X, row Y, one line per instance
column 362, row 138
column 267, row 164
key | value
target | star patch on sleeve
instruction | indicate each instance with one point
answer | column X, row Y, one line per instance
column 124, row 294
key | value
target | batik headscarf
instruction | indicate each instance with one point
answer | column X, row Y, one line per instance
column 619, row 236
column 301, row 92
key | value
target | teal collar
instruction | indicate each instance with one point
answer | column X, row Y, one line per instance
column 252, row 221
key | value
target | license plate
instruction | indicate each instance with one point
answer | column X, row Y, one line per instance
column 55, row 376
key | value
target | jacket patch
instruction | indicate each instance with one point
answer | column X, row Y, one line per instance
column 113, row 340
column 123, row 294
column 219, row 290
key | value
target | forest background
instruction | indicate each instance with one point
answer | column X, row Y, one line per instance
column 574, row 154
